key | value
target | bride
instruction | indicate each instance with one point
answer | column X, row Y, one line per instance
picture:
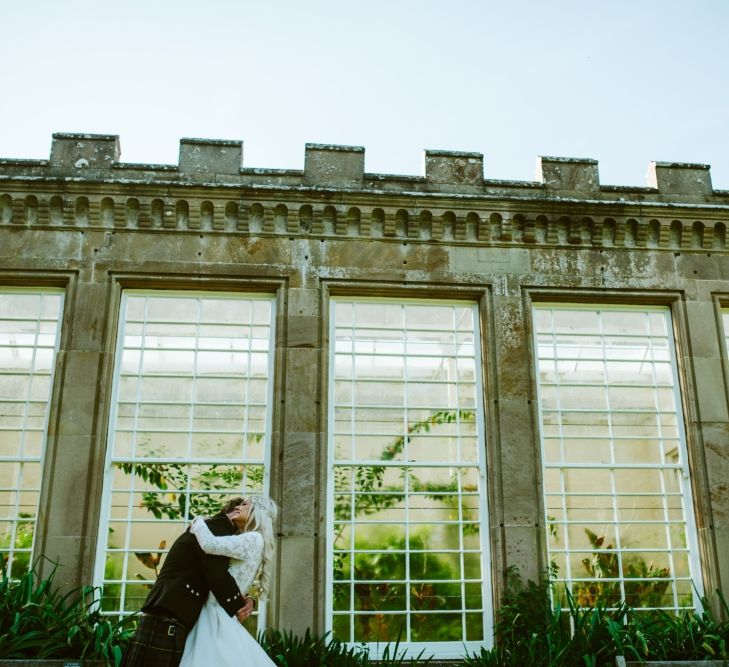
column 217, row 638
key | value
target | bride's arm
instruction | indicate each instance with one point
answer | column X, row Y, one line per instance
column 243, row 546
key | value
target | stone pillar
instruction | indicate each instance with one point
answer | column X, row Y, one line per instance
column 707, row 424
column 300, row 594
column 68, row 516
column 517, row 453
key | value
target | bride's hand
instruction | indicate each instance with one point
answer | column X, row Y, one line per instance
column 244, row 612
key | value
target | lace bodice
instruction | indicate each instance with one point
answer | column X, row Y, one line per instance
column 245, row 551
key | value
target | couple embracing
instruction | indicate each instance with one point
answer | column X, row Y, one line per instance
column 192, row 615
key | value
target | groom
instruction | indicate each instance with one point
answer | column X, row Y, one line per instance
column 177, row 597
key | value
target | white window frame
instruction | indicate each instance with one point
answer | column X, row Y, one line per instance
column 445, row 649
column 21, row 459
column 112, row 459
column 682, row 467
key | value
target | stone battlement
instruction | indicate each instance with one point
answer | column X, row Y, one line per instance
column 333, row 167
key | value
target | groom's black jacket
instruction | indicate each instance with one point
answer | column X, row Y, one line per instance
column 188, row 575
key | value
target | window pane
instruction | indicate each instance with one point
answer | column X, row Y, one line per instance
column 408, row 515
column 29, row 334
column 189, row 425
column 613, row 455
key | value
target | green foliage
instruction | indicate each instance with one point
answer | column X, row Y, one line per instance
column 392, row 656
column 175, row 477
column 605, row 565
column 529, row 632
column 23, row 540
column 37, row 620
column 389, row 565
column 373, row 496
column 289, row 650
column 688, row 636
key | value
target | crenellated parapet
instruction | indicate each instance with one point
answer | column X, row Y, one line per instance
column 84, row 185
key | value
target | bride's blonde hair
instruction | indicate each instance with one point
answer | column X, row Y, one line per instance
column 261, row 519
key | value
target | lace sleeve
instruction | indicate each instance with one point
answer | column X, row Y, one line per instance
column 245, row 546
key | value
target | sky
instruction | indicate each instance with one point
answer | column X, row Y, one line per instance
column 625, row 82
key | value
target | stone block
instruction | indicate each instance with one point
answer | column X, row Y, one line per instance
column 68, row 483
column 697, row 266
column 54, row 249
column 79, row 393
column 89, row 316
column 522, row 548
column 64, row 550
column 512, row 346
column 374, row 256
column 84, row 151
column 453, row 167
column 336, row 166
column 299, row 492
column 490, row 260
column 302, row 331
column 301, row 392
column 518, row 458
column 715, row 437
column 706, row 339
column 566, row 174
column 303, row 301
column 297, row 598
column 680, row 178
column 710, row 390
column 210, row 156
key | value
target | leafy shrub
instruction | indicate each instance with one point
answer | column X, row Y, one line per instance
column 530, row 632
column 688, row 636
column 37, row 620
column 289, row 650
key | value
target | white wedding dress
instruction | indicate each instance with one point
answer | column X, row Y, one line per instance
column 219, row 640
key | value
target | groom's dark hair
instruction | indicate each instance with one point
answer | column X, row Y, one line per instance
column 231, row 505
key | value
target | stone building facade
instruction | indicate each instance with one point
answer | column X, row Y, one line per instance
column 564, row 341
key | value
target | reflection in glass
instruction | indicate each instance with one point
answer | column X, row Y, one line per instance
column 613, row 469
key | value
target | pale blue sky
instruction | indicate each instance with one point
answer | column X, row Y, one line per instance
column 622, row 81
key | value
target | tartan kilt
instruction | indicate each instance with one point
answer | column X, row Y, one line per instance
column 157, row 642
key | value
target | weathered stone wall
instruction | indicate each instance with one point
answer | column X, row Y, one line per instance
column 85, row 221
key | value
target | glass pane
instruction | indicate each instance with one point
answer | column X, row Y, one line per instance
column 611, row 438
